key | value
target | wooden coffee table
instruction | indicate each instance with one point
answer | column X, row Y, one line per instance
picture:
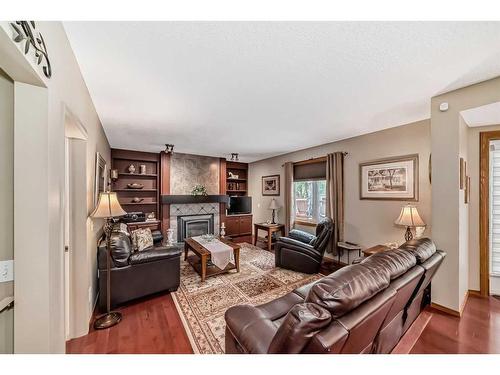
column 199, row 261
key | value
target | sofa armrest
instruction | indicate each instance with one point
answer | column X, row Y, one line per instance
column 301, row 323
column 154, row 254
column 250, row 327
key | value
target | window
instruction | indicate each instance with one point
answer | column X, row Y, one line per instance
column 309, row 200
column 495, row 210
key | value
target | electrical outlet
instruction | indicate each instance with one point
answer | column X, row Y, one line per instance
column 6, row 271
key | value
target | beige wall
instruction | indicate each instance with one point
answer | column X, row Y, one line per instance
column 6, row 203
column 366, row 222
column 65, row 88
column 450, row 219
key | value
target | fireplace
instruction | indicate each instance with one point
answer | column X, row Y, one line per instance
column 194, row 225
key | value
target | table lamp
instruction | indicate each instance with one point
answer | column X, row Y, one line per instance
column 409, row 218
column 108, row 208
column 273, row 206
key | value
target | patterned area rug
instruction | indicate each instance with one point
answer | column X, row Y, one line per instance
column 202, row 306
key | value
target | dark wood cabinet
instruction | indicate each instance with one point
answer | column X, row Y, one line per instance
column 239, row 227
column 153, row 225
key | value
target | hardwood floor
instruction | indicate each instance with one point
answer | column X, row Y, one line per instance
column 478, row 331
column 150, row 326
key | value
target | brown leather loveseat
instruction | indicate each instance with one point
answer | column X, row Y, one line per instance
column 361, row 308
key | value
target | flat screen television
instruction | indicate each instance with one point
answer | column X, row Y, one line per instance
column 239, row 205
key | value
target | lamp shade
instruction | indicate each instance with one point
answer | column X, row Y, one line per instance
column 273, row 205
column 107, row 206
column 409, row 217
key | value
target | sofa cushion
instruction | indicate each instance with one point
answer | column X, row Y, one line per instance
column 301, row 236
column 421, row 248
column 298, row 327
column 154, row 254
column 344, row 290
column 396, row 261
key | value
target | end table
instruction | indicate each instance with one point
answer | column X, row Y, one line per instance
column 270, row 229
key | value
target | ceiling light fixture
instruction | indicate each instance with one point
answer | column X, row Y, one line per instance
column 169, row 149
column 235, row 156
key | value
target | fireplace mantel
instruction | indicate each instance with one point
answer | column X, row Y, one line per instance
column 187, row 199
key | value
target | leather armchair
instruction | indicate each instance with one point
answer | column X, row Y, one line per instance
column 302, row 251
column 137, row 274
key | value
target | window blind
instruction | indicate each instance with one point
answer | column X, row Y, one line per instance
column 309, row 172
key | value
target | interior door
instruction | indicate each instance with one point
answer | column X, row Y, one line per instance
column 6, row 213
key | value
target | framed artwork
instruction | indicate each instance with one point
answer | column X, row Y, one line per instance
column 271, row 185
column 393, row 178
column 100, row 177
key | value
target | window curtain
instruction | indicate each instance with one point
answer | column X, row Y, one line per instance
column 289, row 207
column 335, row 198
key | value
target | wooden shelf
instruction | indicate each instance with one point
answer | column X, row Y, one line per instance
column 121, row 160
column 137, row 174
column 236, row 179
column 236, row 191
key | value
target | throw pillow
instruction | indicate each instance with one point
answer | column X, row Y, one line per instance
column 142, row 239
column 121, row 228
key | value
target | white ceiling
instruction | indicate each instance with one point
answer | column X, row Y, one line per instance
column 267, row 88
column 482, row 116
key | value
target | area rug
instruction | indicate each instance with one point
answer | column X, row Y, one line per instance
column 201, row 306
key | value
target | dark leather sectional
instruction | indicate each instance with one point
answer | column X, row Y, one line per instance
column 137, row 274
column 361, row 308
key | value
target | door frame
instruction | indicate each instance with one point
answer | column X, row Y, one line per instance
column 74, row 133
column 484, row 209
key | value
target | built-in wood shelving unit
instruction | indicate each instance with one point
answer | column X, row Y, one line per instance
column 121, row 160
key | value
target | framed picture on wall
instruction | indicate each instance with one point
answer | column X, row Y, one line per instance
column 271, row 185
column 100, row 176
column 393, row 178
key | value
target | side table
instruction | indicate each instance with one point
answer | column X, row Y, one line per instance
column 375, row 249
column 348, row 247
column 270, row 229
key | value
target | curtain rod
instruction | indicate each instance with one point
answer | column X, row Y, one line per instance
column 345, row 153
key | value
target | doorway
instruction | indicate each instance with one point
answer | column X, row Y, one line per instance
column 76, row 280
column 489, row 224
column 6, row 213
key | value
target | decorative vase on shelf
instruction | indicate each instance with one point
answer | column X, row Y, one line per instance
column 131, row 169
column 142, row 169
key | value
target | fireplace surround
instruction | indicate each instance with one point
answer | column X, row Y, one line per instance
column 194, row 225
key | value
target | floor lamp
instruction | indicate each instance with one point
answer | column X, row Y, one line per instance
column 108, row 208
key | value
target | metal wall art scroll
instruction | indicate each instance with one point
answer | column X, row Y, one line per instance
column 25, row 31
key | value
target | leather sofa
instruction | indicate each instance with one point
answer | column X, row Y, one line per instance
column 137, row 274
column 361, row 308
column 302, row 251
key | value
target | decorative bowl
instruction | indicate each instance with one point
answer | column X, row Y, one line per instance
column 135, row 186
column 208, row 237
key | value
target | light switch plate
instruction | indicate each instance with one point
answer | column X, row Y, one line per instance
column 6, row 271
